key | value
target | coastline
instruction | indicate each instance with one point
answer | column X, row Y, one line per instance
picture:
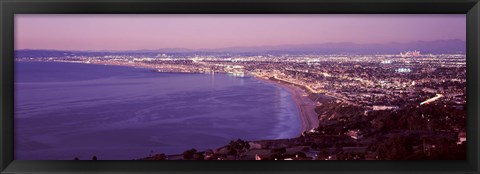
column 306, row 107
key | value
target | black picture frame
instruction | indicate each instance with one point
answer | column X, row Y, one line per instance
column 8, row 8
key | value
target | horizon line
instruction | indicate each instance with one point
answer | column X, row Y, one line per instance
column 205, row 49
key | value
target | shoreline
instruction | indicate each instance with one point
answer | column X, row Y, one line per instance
column 306, row 107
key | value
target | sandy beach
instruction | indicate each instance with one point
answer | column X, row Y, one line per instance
column 306, row 106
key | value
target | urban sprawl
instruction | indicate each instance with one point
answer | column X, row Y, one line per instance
column 408, row 105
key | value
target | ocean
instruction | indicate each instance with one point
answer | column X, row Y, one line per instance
column 68, row 110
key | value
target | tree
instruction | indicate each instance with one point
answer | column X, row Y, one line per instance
column 232, row 151
column 279, row 150
column 189, row 154
column 397, row 147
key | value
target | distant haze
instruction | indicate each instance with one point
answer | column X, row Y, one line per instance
column 134, row 32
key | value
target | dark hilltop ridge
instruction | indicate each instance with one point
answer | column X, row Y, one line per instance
column 440, row 46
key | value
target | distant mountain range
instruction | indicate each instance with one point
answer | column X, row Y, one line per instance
column 435, row 47
column 440, row 46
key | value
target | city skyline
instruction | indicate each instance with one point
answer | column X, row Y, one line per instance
column 111, row 32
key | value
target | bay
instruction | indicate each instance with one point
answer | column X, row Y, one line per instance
column 68, row 110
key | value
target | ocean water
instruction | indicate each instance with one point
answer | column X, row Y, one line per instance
column 68, row 110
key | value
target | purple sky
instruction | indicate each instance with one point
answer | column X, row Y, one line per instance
column 131, row 32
